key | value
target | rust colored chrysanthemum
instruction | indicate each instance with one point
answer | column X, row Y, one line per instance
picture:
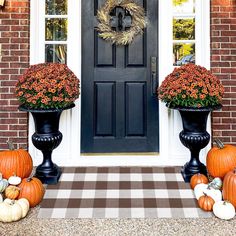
column 191, row 85
column 47, row 85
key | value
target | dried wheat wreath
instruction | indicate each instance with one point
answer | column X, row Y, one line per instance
column 123, row 37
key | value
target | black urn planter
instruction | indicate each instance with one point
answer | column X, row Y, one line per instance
column 195, row 137
column 46, row 138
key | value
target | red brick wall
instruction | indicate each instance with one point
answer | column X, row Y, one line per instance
column 223, row 64
column 14, row 58
column 14, row 41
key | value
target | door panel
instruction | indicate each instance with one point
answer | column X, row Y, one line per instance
column 119, row 110
column 104, row 109
column 135, row 53
column 135, row 109
column 105, row 53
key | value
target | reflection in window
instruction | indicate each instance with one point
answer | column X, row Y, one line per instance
column 55, row 53
column 183, row 53
column 184, row 29
column 183, row 32
column 56, row 29
column 184, row 6
column 56, row 7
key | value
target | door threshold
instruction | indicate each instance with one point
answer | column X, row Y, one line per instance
column 122, row 154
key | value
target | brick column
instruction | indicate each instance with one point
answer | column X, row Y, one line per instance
column 223, row 64
column 14, row 43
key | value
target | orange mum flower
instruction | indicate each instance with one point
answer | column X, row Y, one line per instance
column 47, row 86
column 191, row 86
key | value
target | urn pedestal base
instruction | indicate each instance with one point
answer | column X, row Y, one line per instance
column 47, row 172
column 49, row 175
column 46, row 138
column 194, row 137
column 188, row 171
column 194, row 141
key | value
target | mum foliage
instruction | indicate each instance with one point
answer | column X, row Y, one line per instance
column 46, row 86
column 191, row 86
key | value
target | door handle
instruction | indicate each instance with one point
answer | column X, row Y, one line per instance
column 153, row 75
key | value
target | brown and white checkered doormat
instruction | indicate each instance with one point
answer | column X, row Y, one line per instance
column 120, row 192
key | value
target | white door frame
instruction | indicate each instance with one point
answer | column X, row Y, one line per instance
column 172, row 151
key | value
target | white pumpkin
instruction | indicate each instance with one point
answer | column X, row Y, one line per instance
column 216, row 183
column 1, row 198
column 3, row 184
column 13, row 210
column 10, row 212
column 14, row 180
column 200, row 189
column 224, row 210
column 25, row 206
column 23, row 202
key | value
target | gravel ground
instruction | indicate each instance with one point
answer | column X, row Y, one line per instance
column 124, row 227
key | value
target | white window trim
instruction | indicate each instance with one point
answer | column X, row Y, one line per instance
column 37, row 55
column 170, row 146
column 168, row 154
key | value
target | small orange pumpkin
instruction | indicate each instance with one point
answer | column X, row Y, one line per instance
column 229, row 187
column 221, row 159
column 12, row 192
column 18, row 162
column 206, row 202
column 198, row 179
column 32, row 189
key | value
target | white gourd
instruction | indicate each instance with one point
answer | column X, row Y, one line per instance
column 216, row 183
column 16, row 211
column 5, row 212
column 224, row 210
column 13, row 210
column 25, row 206
column 9, row 212
column 3, row 184
column 14, row 180
column 200, row 189
column 1, row 198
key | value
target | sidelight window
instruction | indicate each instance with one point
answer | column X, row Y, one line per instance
column 184, row 18
column 56, row 30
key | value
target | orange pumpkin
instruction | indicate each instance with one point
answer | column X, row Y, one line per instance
column 15, row 162
column 206, row 203
column 198, row 179
column 32, row 189
column 229, row 187
column 221, row 159
column 12, row 192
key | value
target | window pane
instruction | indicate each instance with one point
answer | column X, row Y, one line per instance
column 183, row 29
column 55, row 53
column 184, row 6
column 183, row 53
column 56, row 29
column 56, row 7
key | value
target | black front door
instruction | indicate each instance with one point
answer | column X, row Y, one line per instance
column 119, row 105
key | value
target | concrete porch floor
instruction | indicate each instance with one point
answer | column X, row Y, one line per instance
column 114, row 227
